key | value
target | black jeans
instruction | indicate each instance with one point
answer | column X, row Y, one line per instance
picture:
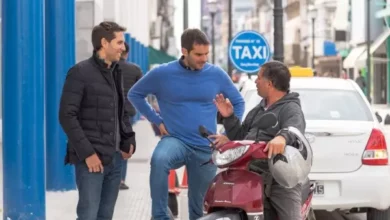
column 98, row 192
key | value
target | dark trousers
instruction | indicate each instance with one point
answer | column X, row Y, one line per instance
column 98, row 192
column 124, row 162
column 124, row 170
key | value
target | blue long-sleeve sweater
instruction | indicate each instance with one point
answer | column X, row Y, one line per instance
column 185, row 99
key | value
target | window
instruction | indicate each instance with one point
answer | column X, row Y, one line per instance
column 320, row 104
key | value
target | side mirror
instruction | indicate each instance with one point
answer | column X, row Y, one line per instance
column 387, row 119
column 204, row 132
column 378, row 117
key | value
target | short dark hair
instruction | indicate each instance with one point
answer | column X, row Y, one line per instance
column 278, row 74
column 127, row 48
column 105, row 30
column 193, row 36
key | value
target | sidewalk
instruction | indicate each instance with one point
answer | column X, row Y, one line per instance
column 131, row 204
column 381, row 109
column 134, row 203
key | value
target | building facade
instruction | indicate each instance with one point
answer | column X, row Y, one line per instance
column 149, row 27
column 356, row 61
column 221, row 24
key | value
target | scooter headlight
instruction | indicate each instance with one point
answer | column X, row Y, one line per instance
column 229, row 156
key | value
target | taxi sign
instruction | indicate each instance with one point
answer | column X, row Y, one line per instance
column 248, row 51
column 297, row 71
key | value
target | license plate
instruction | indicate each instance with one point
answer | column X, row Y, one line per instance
column 319, row 189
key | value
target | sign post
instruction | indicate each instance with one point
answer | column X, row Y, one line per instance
column 248, row 51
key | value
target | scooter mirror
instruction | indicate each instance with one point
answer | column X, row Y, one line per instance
column 204, row 132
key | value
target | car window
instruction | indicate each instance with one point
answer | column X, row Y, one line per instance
column 318, row 104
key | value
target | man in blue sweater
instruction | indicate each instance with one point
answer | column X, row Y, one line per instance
column 185, row 90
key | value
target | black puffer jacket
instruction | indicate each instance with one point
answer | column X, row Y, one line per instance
column 131, row 74
column 92, row 98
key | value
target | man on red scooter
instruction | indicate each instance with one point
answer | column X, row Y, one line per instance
column 273, row 85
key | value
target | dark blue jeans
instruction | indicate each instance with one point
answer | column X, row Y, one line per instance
column 124, row 163
column 98, row 192
column 124, row 170
column 171, row 153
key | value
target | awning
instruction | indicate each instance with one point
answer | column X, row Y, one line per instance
column 344, row 53
column 374, row 46
column 383, row 13
column 352, row 57
column 159, row 57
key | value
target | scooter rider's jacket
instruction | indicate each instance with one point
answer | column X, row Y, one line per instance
column 288, row 111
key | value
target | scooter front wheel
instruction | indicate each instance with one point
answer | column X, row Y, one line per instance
column 228, row 214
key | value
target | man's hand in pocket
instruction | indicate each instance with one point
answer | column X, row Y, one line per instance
column 128, row 155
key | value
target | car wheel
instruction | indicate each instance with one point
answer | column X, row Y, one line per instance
column 375, row 214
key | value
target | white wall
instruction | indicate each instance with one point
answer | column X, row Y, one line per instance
column 341, row 18
column 178, row 21
column 88, row 14
column 194, row 13
column 132, row 14
column 358, row 21
column 194, row 18
column 135, row 15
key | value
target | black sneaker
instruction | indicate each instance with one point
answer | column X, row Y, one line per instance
column 123, row 186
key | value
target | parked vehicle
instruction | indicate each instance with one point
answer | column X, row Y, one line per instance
column 237, row 193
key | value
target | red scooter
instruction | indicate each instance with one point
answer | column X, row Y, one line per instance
column 237, row 193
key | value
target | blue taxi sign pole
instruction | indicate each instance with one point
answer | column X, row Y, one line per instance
column 248, row 51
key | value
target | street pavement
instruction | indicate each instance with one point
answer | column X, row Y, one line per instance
column 132, row 204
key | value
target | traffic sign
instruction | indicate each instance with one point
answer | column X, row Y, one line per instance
column 248, row 51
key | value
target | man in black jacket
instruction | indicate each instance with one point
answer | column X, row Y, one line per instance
column 131, row 74
column 93, row 116
column 273, row 85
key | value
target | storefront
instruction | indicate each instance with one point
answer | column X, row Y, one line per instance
column 379, row 67
column 350, row 62
column 381, row 61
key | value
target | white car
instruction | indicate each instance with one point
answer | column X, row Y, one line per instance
column 350, row 163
